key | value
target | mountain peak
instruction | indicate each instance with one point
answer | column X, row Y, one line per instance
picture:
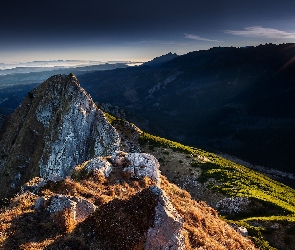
column 56, row 127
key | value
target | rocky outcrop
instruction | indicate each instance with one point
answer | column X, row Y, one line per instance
column 83, row 130
column 134, row 165
column 166, row 232
column 55, row 128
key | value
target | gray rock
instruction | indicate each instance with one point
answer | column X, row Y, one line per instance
column 54, row 178
column 100, row 164
column 241, row 230
column 78, row 207
column 39, row 204
column 141, row 165
column 166, row 232
column 82, row 131
column 59, row 203
column 83, row 208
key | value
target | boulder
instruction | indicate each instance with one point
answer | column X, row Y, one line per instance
column 166, row 232
column 39, row 205
column 79, row 208
column 142, row 165
column 241, row 230
column 100, row 164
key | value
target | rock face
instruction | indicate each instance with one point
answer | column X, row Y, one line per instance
column 56, row 127
column 166, row 232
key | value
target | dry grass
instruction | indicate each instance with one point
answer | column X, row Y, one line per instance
column 125, row 212
column 202, row 227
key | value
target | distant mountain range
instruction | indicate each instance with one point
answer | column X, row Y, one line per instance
column 238, row 101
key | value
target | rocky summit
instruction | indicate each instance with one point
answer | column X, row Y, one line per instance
column 56, row 127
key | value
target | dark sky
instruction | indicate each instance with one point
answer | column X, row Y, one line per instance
column 137, row 29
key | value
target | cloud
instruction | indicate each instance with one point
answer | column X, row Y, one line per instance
column 195, row 37
column 258, row 31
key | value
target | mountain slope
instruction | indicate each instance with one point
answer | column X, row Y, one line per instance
column 233, row 100
column 128, row 199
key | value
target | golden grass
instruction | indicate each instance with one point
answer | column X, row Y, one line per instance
column 202, row 226
column 126, row 204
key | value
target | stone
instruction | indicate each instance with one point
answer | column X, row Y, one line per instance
column 119, row 159
column 78, row 207
column 39, row 204
column 241, row 230
column 142, row 165
column 100, row 164
column 83, row 209
column 166, row 232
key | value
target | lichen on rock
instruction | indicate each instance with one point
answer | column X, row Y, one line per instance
column 100, row 164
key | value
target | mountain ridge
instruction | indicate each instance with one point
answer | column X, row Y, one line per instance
column 158, row 61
